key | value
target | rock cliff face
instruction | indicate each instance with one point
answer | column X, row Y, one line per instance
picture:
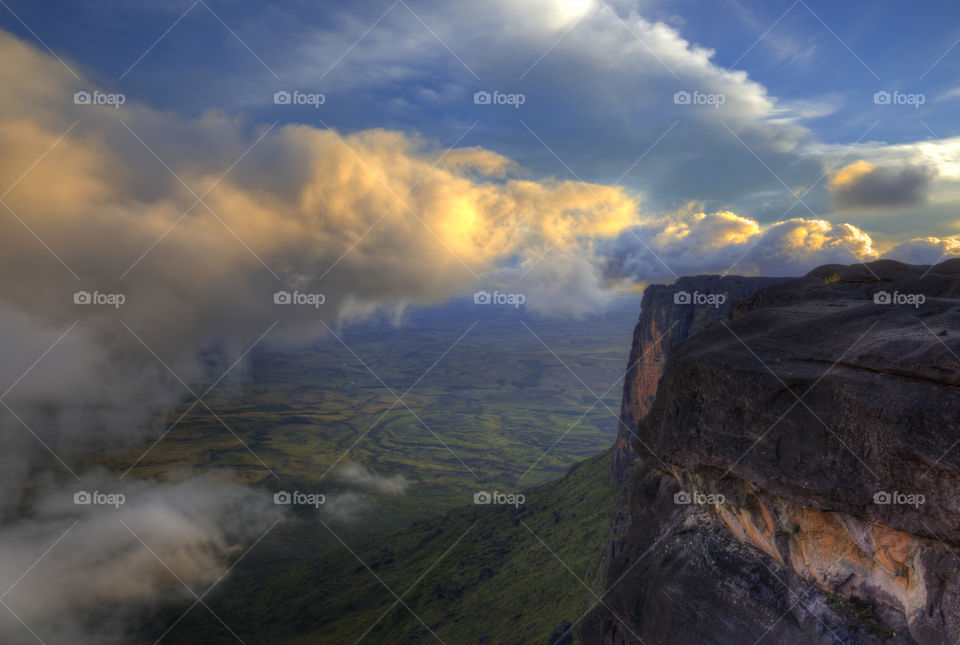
column 663, row 323
column 799, row 471
column 668, row 315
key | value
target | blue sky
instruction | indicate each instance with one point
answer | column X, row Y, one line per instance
column 835, row 55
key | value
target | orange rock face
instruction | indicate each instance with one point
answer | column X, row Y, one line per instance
column 836, row 552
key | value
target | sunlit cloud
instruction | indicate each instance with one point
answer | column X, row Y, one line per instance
column 725, row 242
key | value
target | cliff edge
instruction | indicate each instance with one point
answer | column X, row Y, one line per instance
column 797, row 476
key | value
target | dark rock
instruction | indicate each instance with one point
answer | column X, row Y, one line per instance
column 562, row 634
column 809, row 401
column 661, row 325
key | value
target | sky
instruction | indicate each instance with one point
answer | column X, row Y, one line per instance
column 784, row 96
column 184, row 182
column 598, row 81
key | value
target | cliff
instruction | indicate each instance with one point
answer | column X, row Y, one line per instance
column 669, row 314
column 798, row 477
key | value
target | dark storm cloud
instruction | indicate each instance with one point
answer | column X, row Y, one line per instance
column 861, row 185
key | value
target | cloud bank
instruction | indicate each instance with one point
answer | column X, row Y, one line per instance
column 100, row 567
column 927, row 250
column 724, row 242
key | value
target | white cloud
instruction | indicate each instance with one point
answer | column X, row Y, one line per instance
column 927, row 250
column 102, row 574
column 579, row 64
column 346, row 507
column 357, row 475
column 725, row 242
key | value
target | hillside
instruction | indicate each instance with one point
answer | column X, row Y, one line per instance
column 479, row 574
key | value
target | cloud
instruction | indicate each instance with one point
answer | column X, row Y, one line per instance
column 726, row 242
column 376, row 218
column 117, row 564
column 862, row 185
column 346, row 507
column 926, row 250
column 357, row 475
column 599, row 81
column 949, row 94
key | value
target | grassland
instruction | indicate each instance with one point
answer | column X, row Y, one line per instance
column 497, row 401
column 478, row 574
column 484, row 412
